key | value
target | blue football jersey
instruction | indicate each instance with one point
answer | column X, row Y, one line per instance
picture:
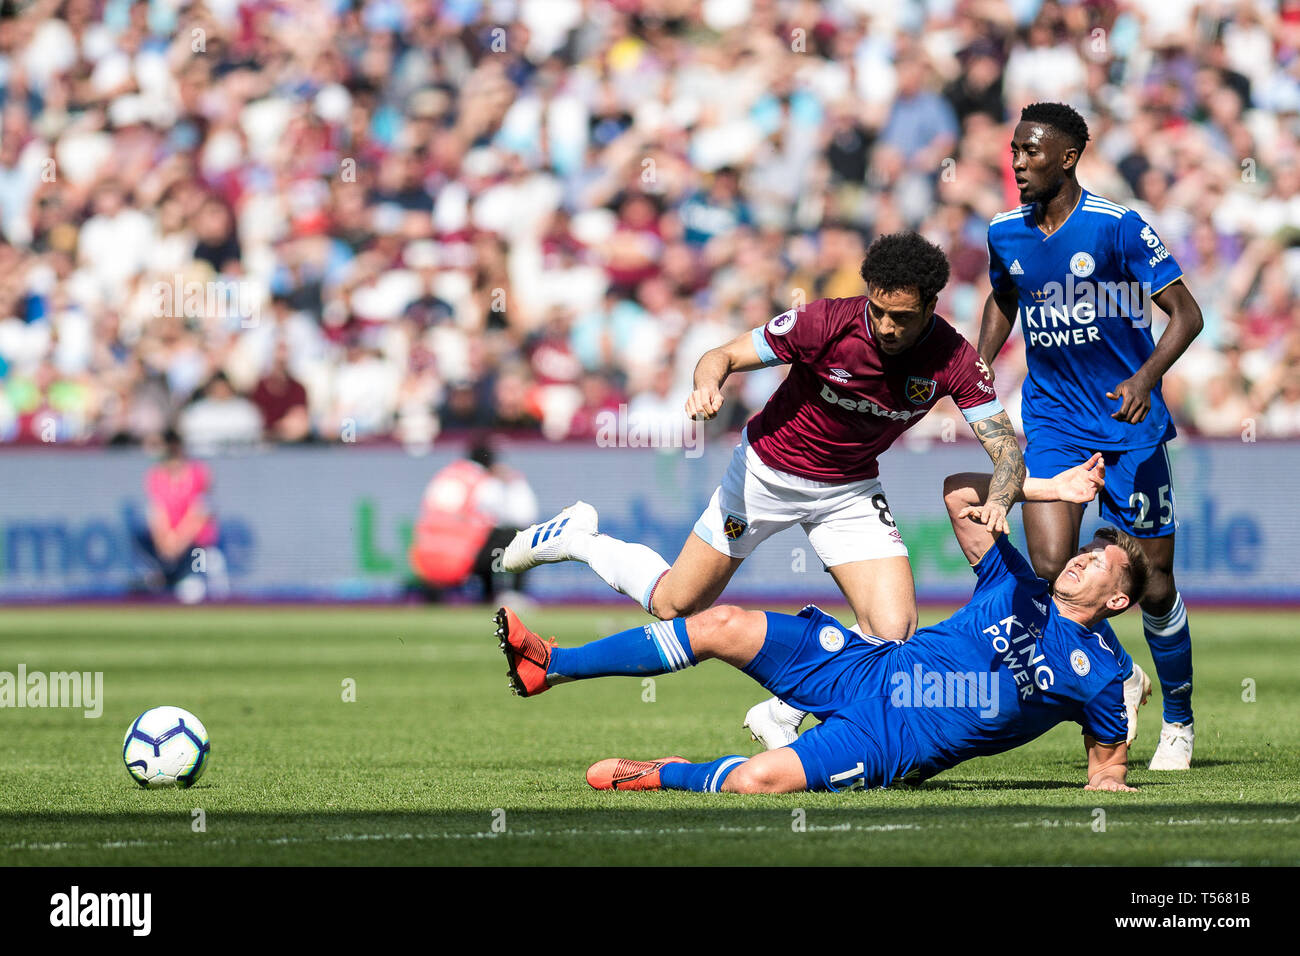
column 1027, row 668
column 1084, row 309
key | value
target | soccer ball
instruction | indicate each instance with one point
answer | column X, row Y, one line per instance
column 166, row 747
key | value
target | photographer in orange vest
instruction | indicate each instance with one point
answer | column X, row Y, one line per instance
column 470, row 511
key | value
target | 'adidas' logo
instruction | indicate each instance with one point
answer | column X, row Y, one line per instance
column 1015, row 269
column 544, row 532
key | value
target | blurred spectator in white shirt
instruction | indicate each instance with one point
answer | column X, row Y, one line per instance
column 220, row 421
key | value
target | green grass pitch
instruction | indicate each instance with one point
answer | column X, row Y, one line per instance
column 436, row 763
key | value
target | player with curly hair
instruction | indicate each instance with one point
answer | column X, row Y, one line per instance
column 862, row 371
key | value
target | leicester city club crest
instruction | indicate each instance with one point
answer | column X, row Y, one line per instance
column 919, row 390
column 1082, row 264
column 733, row 527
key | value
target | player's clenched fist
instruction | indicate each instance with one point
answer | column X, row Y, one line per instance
column 704, row 403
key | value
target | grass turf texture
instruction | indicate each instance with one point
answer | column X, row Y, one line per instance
column 435, row 756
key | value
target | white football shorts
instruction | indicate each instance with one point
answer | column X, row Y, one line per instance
column 844, row 523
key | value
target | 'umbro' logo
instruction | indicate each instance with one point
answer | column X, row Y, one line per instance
column 1015, row 269
column 840, row 375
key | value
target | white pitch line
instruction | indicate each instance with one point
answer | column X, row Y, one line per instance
column 629, row 832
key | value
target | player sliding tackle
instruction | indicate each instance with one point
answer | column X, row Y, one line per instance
column 1022, row 654
column 862, row 371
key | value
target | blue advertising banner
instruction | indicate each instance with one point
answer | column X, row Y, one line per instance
column 335, row 522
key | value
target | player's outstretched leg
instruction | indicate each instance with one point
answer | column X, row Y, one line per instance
column 573, row 535
column 776, row 771
column 536, row 664
column 1164, row 621
column 725, row 633
column 617, row 773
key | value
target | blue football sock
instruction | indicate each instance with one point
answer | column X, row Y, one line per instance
column 657, row 648
column 1170, row 641
column 700, row 777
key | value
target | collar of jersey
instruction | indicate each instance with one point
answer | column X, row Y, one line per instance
column 1034, row 216
column 926, row 334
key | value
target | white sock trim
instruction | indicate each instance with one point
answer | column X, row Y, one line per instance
column 662, row 633
column 720, row 774
column 1170, row 623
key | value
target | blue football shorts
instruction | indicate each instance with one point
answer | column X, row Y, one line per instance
column 1139, row 493
column 815, row 664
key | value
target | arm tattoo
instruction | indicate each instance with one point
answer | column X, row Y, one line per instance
column 999, row 440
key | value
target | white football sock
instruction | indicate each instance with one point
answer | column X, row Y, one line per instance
column 629, row 568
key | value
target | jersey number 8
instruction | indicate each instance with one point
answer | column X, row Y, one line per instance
column 882, row 510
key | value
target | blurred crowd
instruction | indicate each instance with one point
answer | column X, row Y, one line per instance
column 344, row 220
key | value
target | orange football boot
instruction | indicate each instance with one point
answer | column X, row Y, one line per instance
column 617, row 773
column 527, row 654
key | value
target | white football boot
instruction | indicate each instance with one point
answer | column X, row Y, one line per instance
column 1175, row 750
column 774, row 723
column 1137, row 690
column 547, row 542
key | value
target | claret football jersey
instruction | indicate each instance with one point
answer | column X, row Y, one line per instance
column 845, row 401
